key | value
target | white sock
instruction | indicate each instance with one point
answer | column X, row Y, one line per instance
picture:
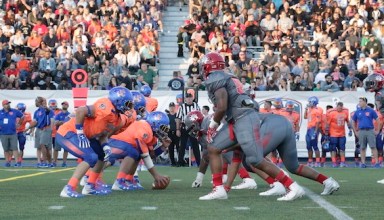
column 200, row 176
column 136, row 173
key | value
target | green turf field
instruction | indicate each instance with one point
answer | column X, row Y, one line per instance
column 35, row 195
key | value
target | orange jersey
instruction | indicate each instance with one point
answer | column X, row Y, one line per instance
column 138, row 133
column 54, row 130
column 27, row 119
column 105, row 120
column 293, row 117
column 152, row 104
column 263, row 110
column 314, row 116
column 336, row 121
column 379, row 119
column 323, row 123
column 278, row 111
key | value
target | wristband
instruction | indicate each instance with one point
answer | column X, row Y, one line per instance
column 79, row 129
column 147, row 161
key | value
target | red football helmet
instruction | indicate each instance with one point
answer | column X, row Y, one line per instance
column 212, row 61
column 193, row 122
column 374, row 82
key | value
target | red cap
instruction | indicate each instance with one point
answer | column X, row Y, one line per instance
column 300, row 59
column 5, row 102
column 64, row 103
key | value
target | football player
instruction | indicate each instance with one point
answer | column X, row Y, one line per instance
column 86, row 136
column 336, row 119
column 135, row 143
column 313, row 114
column 197, row 125
column 152, row 103
column 21, row 135
column 243, row 128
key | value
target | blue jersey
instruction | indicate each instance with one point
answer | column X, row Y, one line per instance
column 8, row 121
column 43, row 117
column 62, row 116
column 365, row 117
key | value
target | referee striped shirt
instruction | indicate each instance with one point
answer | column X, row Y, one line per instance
column 184, row 109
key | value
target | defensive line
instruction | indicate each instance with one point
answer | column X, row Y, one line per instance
column 331, row 209
column 34, row 174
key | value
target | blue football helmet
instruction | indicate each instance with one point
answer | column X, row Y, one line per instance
column 139, row 102
column 313, row 101
column 278, row 103
column 290, row 106
column 159, row 122
column 21, row 107
column 52, row 103
column 146, row 90
column 121, row 98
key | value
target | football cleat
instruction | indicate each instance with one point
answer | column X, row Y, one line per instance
column 69, row 192
column 64, row 165
column 218, row 192
column 362, row 165
column 91, row 189
column 381, row 181
column 247, row 183
column 136, row 185
column 121, row 184
column 197, row 183
column 101, row 184
column 84, row 180
column 342, row 164
column 330, row 186
column 295, row 192
column 277, row 190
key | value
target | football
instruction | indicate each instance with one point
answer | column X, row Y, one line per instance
column 159, row 186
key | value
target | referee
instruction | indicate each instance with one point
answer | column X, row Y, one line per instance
column 181, row 132
column 365, row 131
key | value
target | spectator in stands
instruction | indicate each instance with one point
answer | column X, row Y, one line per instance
column 124, row 80
column 149, row 75
column 47, row 63
column 373, row 49
column 64, row 84
column 176, row 83
column 133, row 60
column 79, row 58
column 28, row 84
column 105, row 78
column 115, row 69
column 193, row 68
column 12, row 71
column 95, row 85
column 329, row 85
column 49, row 85
column 365, row 61
column 24, row 66
column 51, row 40
column 349, row 80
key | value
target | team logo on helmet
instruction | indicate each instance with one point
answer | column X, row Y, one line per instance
column 120, row 93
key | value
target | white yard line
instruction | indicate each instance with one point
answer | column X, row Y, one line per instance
column 331, row 209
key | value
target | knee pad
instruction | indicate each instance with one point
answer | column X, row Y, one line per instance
column 247, row 167
column 91, row 159
column 254, row 161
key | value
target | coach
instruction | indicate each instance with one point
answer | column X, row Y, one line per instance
column 8, row 136
column 43, row 120
column 364, row 117
column 181, row 132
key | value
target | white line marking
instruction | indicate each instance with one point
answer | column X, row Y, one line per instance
column 241, row 208
column 152, row 208
column 56, row 207
column 177, row 180
column 331, row 209
column 343, row 181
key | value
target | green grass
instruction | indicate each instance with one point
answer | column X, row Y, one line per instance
column 29, row 198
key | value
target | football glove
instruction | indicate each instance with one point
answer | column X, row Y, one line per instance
column 83, row 140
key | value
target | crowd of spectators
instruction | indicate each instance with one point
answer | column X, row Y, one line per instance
column 289, row 45
column 42, row 42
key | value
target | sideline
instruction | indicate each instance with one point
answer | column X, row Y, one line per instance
column 34, row 174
